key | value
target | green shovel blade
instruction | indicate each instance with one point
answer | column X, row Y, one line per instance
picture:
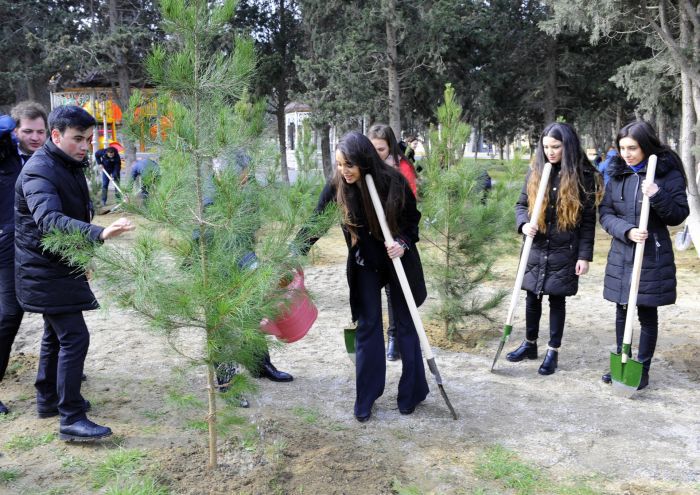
column 625, row 376
column 349, row 335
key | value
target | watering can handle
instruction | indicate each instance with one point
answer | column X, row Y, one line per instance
column 637, row 266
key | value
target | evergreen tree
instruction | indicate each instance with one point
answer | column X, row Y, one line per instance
column 464, row 224
column 188, row 272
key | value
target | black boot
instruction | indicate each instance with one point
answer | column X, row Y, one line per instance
column 644, row 382
column 526, row 350
column 268, row 370
column 607, row 378
column 392, row 353
column 550, row 362
column 3, row 409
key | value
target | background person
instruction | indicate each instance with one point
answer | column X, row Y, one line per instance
column 111, row 161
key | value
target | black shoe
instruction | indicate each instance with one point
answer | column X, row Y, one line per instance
column 83, row 431
column 550, row 362
column 268, row 370
column 407, row 411
column 365, row 418
column 392, row 353
column 50, row 412
column 4, row 409
column 526, row 350
column 607, row 378
column 644, row 382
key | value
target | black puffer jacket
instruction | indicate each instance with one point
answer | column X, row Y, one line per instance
column 51, row 193
column 619, row 213
column 9, row 170
column 551, row 266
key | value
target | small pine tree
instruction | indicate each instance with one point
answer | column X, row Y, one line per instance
column 464, row 222
column 184, row 271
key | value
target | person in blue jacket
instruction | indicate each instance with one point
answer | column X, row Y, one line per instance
column 603, row 166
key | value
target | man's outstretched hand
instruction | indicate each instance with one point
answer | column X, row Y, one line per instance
column 117, row 228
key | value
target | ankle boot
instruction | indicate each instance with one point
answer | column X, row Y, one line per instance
column 526, row 350
column 392, row 353
column 550, row 362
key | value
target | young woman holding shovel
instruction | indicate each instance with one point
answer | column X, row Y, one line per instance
column 384, row 141
column 563, row 236
column 619, row 215
column 369, row 269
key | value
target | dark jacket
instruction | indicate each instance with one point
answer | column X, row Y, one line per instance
column 51, row 193
column 113, row 165
column 10, row 168
column 373, row 252
column 619, row 213
column 551, row 266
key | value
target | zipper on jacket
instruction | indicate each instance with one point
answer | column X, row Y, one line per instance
column 658, row 245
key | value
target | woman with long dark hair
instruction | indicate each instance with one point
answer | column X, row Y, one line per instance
column 369, row 268
column 619, row 215
column 563, row 236
column 384, row 141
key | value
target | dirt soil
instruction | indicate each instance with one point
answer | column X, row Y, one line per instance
column 301, row 437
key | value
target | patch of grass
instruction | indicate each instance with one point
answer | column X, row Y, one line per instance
column 154, row 415
column 337, row 427
column 7, row 475
column 72, row 463
column 24, row 397
column 196, row 425
column 275, row 451
column 249, row 438
column 59, row 490
column 24, row 443
column 398, row 488
column 578, row 489
column 498, row 463
column 309, row 416
column 121, row 464
column 6, row 418
column 180, row 400
column 141, row 486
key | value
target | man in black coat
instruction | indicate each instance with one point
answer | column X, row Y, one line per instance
column 51, row 193
column 110, row 160
column 28, row 122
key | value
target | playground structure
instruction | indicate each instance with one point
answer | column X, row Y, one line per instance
column 99, row 102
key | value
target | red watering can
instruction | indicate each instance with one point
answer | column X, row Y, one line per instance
column 300, row 313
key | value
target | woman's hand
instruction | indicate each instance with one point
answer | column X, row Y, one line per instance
column 581, row 267
column 649, row 188
column 529, row 229
column 636, row 235
column 394, row 250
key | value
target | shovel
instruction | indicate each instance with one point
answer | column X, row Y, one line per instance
column 406, row 289
column 626, row 373
column 536, row 211
column 116, row 188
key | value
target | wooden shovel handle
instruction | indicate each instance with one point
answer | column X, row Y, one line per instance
column 525, row 254
column 638, row 259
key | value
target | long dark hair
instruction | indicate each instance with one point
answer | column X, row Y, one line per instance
column 645, row 135
column 572, row 187
column 386, row 133
column 355, row 200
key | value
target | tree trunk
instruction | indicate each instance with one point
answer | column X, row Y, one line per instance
column 325, row 130
column 392, row 68
column 124, row 81
column 550, row 96
column 282, row 139
column 688, row 139
column 661, row 126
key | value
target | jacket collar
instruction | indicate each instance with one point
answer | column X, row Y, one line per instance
column 618, row 167
column 57, row 154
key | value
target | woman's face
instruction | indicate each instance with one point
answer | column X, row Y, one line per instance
column 553, row 149
column 382, row 147
column 630, row 151
column 349, row 171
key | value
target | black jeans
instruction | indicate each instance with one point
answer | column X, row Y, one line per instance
column 370, row 359
column 649, row 322
column 557, row 318
column 10, row 315
column 63, row 349
column 391, row 331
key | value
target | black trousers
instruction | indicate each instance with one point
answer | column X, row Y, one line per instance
column 649, row 322
column 370, row 360
column 391, row 331
column 10, row 315
column 557, row 317
column 63, row 349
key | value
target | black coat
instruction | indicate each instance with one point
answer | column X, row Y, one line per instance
column 619, row 213
column 374, row 253
column 10, row 168
column 51, row 193
column 551, row 266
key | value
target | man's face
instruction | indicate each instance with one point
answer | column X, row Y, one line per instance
column 31, row 134
column 73, row 142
